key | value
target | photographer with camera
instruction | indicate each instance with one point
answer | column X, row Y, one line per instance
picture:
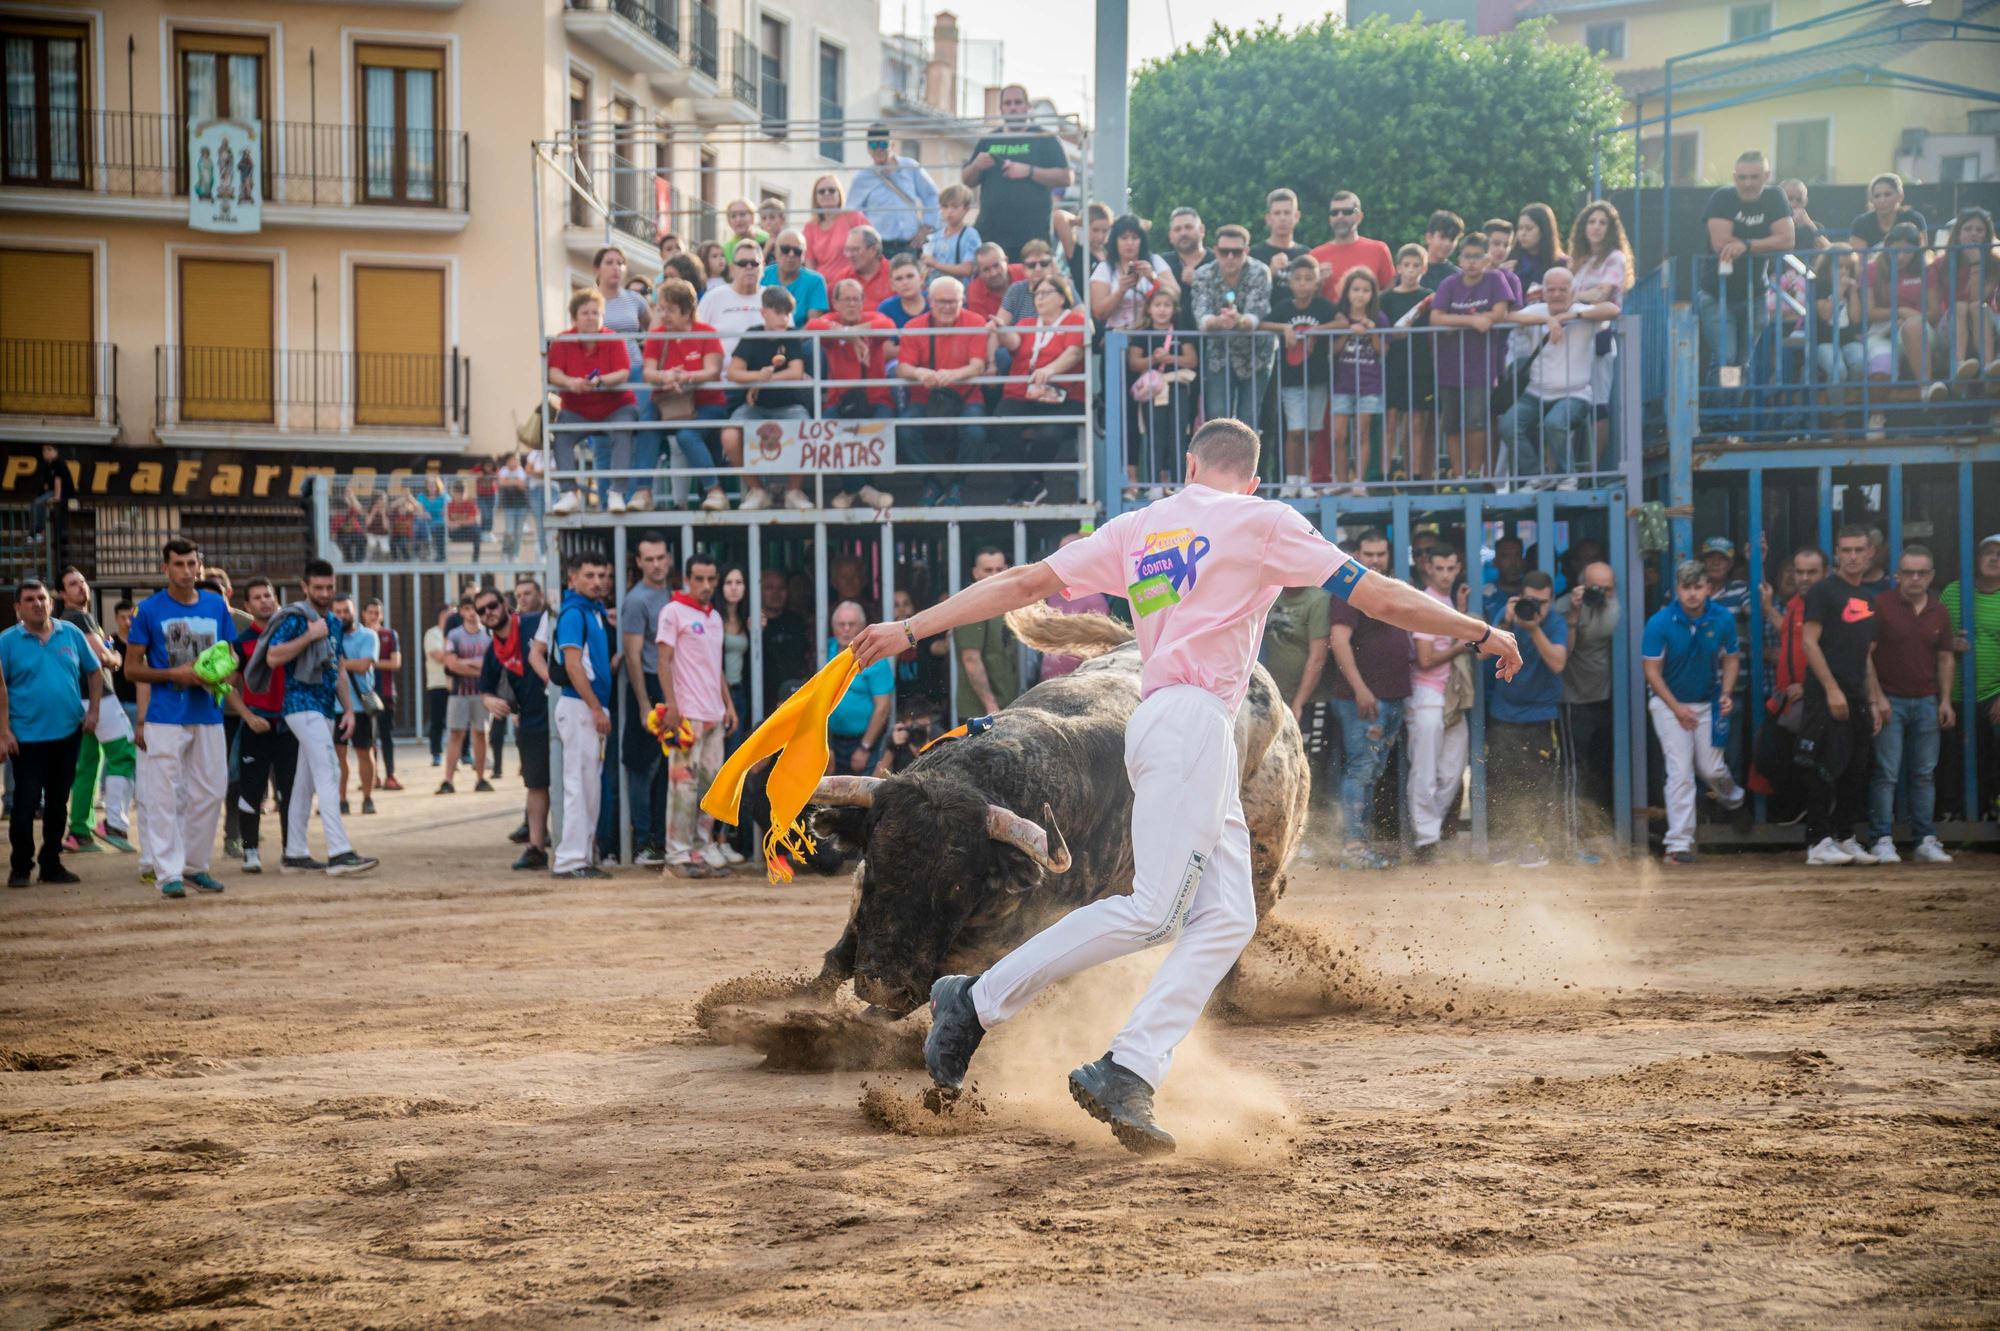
column 1591, row 614
column 1522, row 747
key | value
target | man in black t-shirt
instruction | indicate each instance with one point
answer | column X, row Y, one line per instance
column 1280, row 246
column 1745, row 221
column 1441, row 236
column 787, row 641
column 767, row 359
column 1016, row 170
column 1885, row 210
column 1844, row 704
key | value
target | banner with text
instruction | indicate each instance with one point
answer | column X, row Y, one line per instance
column 834, row 448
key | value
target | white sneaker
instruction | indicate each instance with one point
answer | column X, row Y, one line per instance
column 1929, row 851
column 253, row 864
column 730, row 854
column 1852, row 849
column 640, row 502
column 1730, row 802
column 1828, row 851
column 797, row 499
column 875, row 499
column 712, row 855
column 567, row 504
column 715, row 501
column 841, row 500
column 1884, row 850
column 752, row 499
column 615, row 504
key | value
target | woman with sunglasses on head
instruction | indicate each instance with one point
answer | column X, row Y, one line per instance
column 826, row 233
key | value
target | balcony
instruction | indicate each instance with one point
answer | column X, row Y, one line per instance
column 642, row 35
column 737, row 73
column 58, row 391
column 248, row 397
column 134, row 164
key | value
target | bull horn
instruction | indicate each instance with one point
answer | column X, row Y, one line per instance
column 1004, row 825
column 853, row 792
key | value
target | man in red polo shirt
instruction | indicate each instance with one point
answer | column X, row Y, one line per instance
column 992, row 275
column 940, row 369
column 858, row 356
column 870, row 265
column 590, row 375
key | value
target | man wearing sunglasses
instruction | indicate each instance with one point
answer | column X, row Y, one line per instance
column 524, row 696
column 1350, row 249
column 898, row 197
column 788, row 270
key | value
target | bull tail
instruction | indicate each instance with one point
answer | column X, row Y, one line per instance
column 1083, row 636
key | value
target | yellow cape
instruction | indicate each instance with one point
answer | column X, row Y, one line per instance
column 796, row 732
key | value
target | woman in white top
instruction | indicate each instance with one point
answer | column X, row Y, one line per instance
column 1127, row 275
column 1601, row 259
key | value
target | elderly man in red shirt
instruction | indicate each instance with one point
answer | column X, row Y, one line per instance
column 862, row 354
column 941, row 366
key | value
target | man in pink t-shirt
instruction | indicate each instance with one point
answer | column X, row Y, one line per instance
column 690, row 672
column 1200, row 568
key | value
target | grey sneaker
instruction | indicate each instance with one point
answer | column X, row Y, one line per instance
column 955, row 1031
column 348, row 862
column 1120, row 1097
column 301, row 864
column 252, row 862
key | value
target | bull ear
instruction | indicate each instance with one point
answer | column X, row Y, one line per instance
column 1014, row 871
column 848, row 827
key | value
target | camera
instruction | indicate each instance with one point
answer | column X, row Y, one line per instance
column 1527, row 610
column 1593, row 597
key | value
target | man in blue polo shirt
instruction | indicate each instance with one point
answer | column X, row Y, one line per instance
column 1522, row 749
column 44, row 666
column 582, row 664
column 1689, row 651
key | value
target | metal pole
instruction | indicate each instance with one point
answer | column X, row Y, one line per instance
column 1968, row 681
column 620, row 691
column 1475, row 543
column 753, row 621
column 1753, row 643
column 953, row 580
column 1111, row 141
column 1626, row 737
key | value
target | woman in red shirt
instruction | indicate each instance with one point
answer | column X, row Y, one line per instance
column 826, row 234
column 1046, row 353
column 589, row 374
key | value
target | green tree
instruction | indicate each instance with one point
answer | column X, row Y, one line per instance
column 1410, row 116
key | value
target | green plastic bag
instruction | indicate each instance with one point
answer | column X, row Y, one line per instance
column 216, row 668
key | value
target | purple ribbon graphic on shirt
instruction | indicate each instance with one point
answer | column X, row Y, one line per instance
column 1176, row 563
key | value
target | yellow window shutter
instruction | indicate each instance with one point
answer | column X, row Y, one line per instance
column 228, row 369
column 400, row 361
column 48, row 364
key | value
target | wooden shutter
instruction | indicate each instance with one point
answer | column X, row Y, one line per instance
column 399, row 353
column 228, row 368
column 48, row 363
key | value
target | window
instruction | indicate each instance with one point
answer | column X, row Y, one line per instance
column 221, row 78
column 227, row 361
column 579, row 128
column 402, row 114
column 44, row 122
column 1606, row 39
column 1687, row 159
column 1802, row 151
column 771, row 59
column 1751, row 20
column 399, row 355
column 48, row 362
column 705, row 41
column 832, row 107
column 1958, row 166
column 662, row 183
column 625, row 169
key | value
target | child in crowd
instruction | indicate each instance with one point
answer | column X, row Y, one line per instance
column 1304, row 367
column 1407, row 376
column 950, row 252
column 1357, row 375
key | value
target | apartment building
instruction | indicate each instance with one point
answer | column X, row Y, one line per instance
column 383, row 313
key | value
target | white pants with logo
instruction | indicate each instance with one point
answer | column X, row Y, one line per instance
column 1688, row 754
column 1437, row 763
column 1191, row 885
column 316, row 773
column 112, row 726
column 582, row 781
column 182, row 774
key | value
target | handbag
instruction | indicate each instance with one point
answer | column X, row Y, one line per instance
column 1514, row 379
column 672, row 405
column 1151, row 385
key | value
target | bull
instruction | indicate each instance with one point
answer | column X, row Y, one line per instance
column 984, row 840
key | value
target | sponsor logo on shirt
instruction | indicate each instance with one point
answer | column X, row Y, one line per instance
column 1857, row 610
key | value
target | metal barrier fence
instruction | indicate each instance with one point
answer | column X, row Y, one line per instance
column 143, row 154
column 1901, row 340
column 843, row 432
column 1351, row 413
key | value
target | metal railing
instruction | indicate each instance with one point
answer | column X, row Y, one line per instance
column 745, row 68
column 1812, row 343
column 659, row 21
column 312, row 392
column 58, row 380
column 705, row 40
column 978, row 440
column 143, row 154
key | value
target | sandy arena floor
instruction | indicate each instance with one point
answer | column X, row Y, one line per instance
column 448, row 1095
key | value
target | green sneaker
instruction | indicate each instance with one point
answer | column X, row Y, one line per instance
column 149, row 878
column 114, row 838
column 204, row 882
column 172, row 888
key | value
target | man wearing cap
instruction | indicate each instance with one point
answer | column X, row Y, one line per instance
column 1684, row 643
column 1983, row 726
column 898, row 197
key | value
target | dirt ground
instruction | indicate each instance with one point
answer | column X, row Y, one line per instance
column 448, row 1095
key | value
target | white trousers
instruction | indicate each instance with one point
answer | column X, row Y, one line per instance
column 1191, row 885
column 1437, row 763
column 317, row 773
column 112, row 726
column 182, row 774
column 1688, row 754
column 582, row 781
